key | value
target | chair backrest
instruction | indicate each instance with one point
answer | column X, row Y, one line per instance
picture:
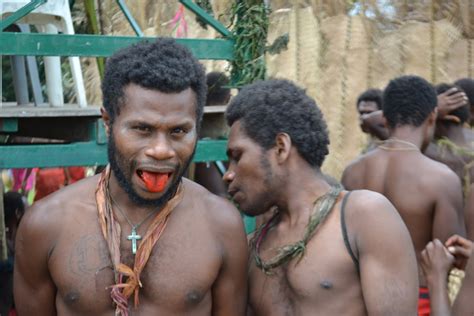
column 47, row 13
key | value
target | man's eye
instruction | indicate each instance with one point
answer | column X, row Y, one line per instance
column 142, row 128
column 178, row 130
column 236, row 157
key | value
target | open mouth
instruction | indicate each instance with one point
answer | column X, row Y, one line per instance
column 154, row 181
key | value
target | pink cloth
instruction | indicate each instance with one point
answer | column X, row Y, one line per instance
column 179, row 23
column 19, row 181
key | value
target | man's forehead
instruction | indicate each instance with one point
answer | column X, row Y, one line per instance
column 138, row 100
column 239, row 139
column 133, row 90
column 237, row 132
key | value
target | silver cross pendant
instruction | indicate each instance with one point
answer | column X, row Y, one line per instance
column 133, row 237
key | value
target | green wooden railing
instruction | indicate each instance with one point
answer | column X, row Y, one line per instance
column 36, row 44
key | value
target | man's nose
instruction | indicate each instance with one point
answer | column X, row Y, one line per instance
column 228, row 176
column 160, row 148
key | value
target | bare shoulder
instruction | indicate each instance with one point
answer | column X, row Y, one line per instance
column 367, row 203
column 68, row 199
column 46, row 219
column 53, row 209
column 439, row 175
column 368, row 209
column 221, row 219
column 218, row 211
column 372, row 216
column 357, row 163
column 352, row 172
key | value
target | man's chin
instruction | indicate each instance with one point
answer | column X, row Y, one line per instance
column 157, row 199
column 148, row 200
column 248, row 211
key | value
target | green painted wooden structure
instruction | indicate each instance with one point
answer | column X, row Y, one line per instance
column 85, row 133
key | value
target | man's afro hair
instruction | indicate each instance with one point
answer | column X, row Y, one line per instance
column 408, row 100
column 162, row 65
column 374, row 95
column 266, row 108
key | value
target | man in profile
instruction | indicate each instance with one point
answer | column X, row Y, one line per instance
column 323, row 250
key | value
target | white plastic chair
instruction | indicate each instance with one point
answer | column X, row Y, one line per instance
column 52, row 17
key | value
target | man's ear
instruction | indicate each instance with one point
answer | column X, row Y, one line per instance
column 282, row 146
column 106, row 119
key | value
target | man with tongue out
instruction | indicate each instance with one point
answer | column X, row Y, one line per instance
column 138, row 239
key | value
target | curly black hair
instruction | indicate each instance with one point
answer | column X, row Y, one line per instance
column 408, row 100
column 217, row 94
column 462, row 112
column 266, row 108
column 467, row 85
column 374, row 95
column 162, row 65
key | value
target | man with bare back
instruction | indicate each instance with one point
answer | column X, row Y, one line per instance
column 137, row 239
column 426, row 193
column 324, row 251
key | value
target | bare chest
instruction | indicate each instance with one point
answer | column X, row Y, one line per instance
column 179, row 273
column 324, row 272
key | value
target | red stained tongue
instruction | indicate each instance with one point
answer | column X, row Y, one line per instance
column 154, row 182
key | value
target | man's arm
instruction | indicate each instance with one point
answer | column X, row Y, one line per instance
column 448, row 215
column 388, row 267
column 436, row 262
column 374, row 123
column 34, row 291
column 229, row 292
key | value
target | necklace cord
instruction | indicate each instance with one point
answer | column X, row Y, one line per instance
column 135, row 227
column 394, row 140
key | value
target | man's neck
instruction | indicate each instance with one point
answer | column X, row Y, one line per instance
column 408, row 134
column 302, row 190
